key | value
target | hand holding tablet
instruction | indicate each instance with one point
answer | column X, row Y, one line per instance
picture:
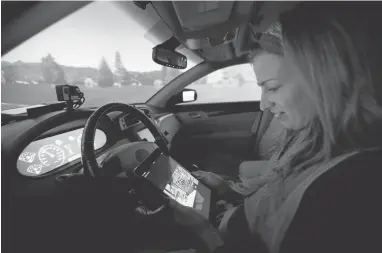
column 174, row 181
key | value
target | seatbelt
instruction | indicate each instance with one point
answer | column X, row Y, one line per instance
column 258, row 129
column 254, row 128
column 256, row 124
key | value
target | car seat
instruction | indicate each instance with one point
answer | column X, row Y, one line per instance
column 266, row 138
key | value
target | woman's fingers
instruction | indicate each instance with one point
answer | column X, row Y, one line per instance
column 202, row 176
column 198, row 173
column 173, row 204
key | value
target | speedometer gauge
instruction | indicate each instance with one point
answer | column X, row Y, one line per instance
column 51, row 155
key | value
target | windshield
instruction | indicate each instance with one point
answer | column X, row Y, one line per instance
column 104, row 48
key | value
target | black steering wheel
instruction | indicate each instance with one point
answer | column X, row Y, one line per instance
column 93, row 167
column 98, row 168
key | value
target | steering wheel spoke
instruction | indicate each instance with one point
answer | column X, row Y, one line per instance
column 122, row 156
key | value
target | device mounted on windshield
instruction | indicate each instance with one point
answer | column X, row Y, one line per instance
column 71, row 94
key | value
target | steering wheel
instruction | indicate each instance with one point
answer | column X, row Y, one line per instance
column 93, row 167
column 99, row 168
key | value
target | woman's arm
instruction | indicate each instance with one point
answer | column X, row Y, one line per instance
column 251, row 169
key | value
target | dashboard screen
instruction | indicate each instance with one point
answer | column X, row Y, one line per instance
column 47, row 154
column 146, row 134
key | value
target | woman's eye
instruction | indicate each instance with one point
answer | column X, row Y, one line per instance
column 273, row 89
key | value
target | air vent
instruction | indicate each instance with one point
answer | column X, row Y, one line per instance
column 146, row 112
column 131, row 121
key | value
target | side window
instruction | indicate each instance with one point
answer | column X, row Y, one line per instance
column 232, row 84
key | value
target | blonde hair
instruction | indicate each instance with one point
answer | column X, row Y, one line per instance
column 342, row 64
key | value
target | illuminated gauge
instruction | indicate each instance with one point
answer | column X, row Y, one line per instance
column 51, row 155
column 35, row 169
column 27, row 157
column 79, row 140
column 99, row 139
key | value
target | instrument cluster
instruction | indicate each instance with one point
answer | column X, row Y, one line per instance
column 44, row 155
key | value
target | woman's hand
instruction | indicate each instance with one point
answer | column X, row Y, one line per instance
column 188, row 217
column 194, row 221
column 213, row 181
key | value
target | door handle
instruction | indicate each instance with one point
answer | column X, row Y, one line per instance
column 194, row 115
column 218, row 113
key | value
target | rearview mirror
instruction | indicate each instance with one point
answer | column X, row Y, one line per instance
column 169, row 58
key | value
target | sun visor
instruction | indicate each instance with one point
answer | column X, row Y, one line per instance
column 159, row 33
column 145, row 18
column 195, row 16
column 196, row 44
column 214, row 40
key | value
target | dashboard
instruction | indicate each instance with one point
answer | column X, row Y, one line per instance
column 44, row 155
column 167, row 123
column 47, row 153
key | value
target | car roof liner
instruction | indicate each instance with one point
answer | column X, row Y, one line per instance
column 219, row 31
column 28, row 20
column 214, row 31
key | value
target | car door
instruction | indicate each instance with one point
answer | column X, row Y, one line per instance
column 218, row 129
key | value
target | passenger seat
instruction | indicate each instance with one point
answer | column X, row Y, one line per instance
column 266, row 143
column 267, row 137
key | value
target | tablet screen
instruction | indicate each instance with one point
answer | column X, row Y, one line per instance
column 178, row 183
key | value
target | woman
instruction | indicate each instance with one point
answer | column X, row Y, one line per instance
column 266, row 65
column 328, row 94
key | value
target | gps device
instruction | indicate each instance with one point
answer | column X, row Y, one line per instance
column 171, row 179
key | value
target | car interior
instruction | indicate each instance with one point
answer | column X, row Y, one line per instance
column 218, row 137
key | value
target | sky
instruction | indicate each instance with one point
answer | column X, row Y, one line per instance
column 84, row 37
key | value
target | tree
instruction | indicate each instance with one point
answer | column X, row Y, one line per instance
column 105, row 75
column 121, row 75
column 202, row 80
column 240, row 79
column 169, row 74
column 51, row 71
column 8, row 74
column 2, row 77
column 145, row 79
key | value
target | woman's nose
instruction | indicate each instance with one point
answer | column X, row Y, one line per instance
column 264, row 102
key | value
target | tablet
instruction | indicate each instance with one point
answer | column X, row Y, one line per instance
column 173, row 180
